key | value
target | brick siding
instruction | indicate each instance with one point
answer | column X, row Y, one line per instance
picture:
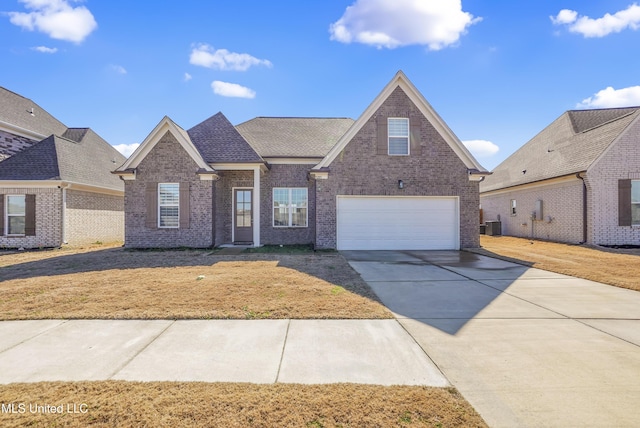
column 48, row 219
column 92, row 217
column 562, row 202
column 621, row 161
column 168, row 162
column 359, row 170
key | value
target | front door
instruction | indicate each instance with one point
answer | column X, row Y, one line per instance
column 243, row 215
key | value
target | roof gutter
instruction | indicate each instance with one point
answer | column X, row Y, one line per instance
column 584, row 208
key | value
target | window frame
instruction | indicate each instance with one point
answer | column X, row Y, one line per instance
column 6, row 214
column 513, row 207
column 289, row 207
column 389, row 136
column 635, row 222
column 170, row 205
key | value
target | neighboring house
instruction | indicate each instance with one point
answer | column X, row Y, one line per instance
column 396, row 178
column 58, row 188
column 576, row 181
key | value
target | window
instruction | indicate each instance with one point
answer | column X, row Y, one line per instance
column 398, row 132
column 168, row 205
column 513, row 207
column 635, row 202
column 16, row 214
column 290, row 207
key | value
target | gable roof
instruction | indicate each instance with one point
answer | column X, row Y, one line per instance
column 88, row 160
column 401, row 80
column 569, row 145
column 26, row 118
column 295, row 137
column 219, row 142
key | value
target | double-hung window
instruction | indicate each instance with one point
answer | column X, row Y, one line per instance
column 398, row 133
column 168, row 205
column 290, row 207
column 635, row 202
column 16, row 214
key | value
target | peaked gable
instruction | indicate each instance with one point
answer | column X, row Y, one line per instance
column 400, row 80
column 218, row 141
column 164, row 126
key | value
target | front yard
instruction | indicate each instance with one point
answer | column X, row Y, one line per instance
column 113, row 283
column 609, row 266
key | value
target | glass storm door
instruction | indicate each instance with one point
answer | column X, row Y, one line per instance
column 243, row 215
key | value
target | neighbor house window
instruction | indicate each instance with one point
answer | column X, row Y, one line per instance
column 16, row 214
column 513, row 207
column 398, row 131
column 290, row 207
column 635, row 202
column 168, row 205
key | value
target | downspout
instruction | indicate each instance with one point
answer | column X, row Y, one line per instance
column 64, row 212
column 584, row 208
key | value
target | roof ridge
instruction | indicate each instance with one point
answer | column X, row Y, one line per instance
column 610, row 121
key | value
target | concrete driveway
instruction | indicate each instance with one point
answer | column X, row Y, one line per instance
column 526, row 347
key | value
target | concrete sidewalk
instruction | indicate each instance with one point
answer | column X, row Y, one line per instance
column 258, row 351
column 526, row 347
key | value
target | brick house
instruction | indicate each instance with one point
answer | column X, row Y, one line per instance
column 395, row 178
column 56, row 184
column 577, row 181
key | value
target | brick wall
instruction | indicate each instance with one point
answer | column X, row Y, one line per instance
column 286, row 176
column 48, row 219
column 621, row 161
column 167, row 162
column 435, row 171
column 11, row 144
column 561, row 201
column 91, row 217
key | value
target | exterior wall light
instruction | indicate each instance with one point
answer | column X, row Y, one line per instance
column 400, row 184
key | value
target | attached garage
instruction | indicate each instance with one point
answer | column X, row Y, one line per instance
column 398, row 223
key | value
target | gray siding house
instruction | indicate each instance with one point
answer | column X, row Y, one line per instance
column 577, row 181
column 395, row 178
column 56, row 184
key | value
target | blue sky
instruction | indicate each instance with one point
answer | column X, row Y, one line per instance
column 497, row 72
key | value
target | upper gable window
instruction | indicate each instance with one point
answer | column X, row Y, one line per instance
column 398, row 133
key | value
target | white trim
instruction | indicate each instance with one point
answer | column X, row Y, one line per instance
column 319, row 175
column 165, row 125
column 543, row 183
column 293, row 161
column 400, row 80
column 256, row 207
column 233, row 210
column 239, row 166
column 54, row 184
column 21, row 132
column 289, row 225
column 6, row 215
column 159, row 205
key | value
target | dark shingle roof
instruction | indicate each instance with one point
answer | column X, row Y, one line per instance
column 89, row 161
column 218, row 141
column 568, row 145
column 17, row 110
column 293, row 136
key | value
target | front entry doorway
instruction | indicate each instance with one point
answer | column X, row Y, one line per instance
column 243, row 216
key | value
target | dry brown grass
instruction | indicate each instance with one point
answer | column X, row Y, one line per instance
column 170, row 404
column 615, row 267
column 113, row 283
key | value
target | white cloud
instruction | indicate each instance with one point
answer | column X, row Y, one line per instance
column 44, row 49
column 600, row 27
column 609, row 98
column 393, row 23
column 56, row 18
column 187, row 77
column 118, row 69
column 481, row 148
column 126, row 149
column 232, row 90
column 221, row 59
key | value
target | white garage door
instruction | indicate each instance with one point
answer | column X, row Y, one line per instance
column 397, row 223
